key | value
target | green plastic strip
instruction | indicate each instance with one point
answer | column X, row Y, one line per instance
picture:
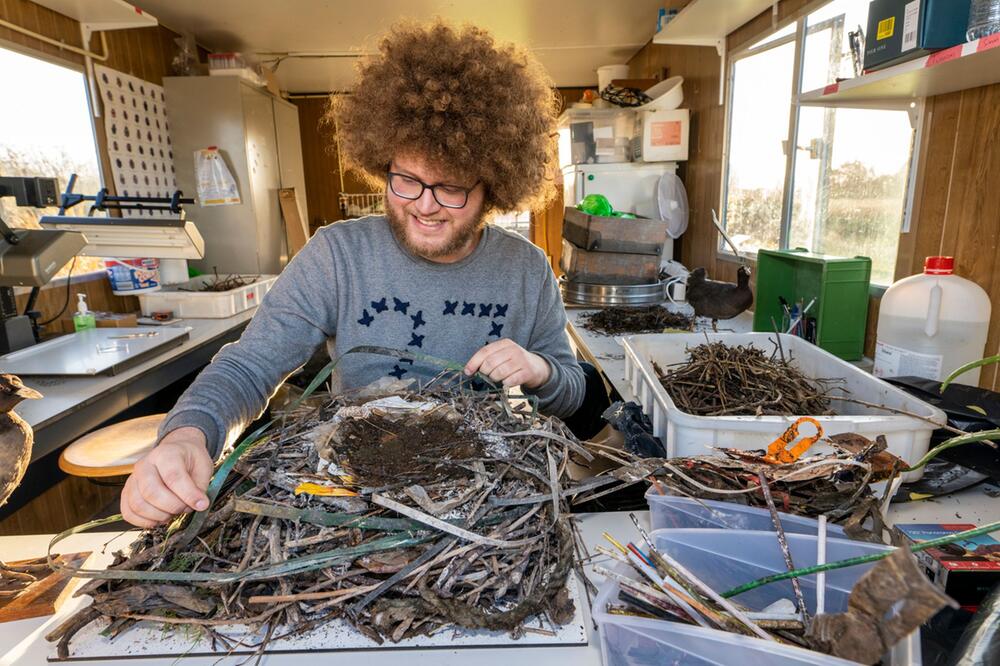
column 854, row 561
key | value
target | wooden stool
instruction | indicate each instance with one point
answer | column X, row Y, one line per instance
column 112, row 450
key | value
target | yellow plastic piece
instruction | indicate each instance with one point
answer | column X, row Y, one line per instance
column 320, row 490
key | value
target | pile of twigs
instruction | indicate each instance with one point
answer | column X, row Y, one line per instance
column 16, row 577
column 405, row 516
column 231, row 281
column 722, row 380
column 620, row 320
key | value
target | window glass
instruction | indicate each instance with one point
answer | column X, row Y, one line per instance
column 45, row 130
column 850, row 184
column 761, row 101
column 827, row 51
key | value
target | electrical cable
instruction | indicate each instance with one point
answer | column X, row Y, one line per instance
column 66, row 302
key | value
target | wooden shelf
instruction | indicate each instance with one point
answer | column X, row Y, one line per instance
column 707, row 22
column 964, row 66
column 97, row 15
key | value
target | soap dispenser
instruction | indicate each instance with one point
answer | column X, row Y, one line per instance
column 83, row 318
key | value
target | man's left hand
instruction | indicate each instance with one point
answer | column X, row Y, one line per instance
column 507, row 362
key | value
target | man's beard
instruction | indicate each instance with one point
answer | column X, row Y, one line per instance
column 463, row 235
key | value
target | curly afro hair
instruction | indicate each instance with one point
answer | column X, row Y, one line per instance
column 459, row 100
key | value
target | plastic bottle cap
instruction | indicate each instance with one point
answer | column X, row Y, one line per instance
column 939, row 265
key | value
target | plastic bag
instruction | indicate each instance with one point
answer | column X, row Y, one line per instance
column 671, row 198
column 216, row 185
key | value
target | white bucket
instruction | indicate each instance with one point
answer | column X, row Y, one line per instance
column 608, row 73
column 129, row 277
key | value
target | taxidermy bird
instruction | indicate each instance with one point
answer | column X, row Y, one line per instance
column 719, row 300
column 15, row 434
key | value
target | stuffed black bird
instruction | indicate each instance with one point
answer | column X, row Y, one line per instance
column 15, row 434
column 719, row 300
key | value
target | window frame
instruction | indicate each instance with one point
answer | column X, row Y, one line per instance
column 915, row 109
column 83, row 70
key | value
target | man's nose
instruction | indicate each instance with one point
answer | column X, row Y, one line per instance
column 426, row 204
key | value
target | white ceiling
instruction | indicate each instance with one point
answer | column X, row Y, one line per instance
column 570, row 37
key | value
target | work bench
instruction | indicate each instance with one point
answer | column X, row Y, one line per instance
column 72, row 406
column 23, row 642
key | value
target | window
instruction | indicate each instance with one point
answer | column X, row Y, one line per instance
column 45, row 130
column 831, row 180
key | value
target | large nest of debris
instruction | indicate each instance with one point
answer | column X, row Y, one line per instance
column 404, row 513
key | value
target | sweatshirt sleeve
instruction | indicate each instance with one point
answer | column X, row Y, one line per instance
column 295, row 317
column 563, row 393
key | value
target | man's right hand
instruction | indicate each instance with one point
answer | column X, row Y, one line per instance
column 169, row 480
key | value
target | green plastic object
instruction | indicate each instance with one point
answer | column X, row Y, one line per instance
column 839, row 285
column 596, row 204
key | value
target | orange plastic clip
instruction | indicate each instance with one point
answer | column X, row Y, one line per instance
column 777, row 453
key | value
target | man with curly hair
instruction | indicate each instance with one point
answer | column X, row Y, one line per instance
column 455, row 127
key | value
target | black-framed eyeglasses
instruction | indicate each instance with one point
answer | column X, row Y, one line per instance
column 449, row 196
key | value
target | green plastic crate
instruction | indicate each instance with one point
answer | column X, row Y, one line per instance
column 839, row 285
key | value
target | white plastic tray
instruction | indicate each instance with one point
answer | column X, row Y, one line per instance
column 206, row 304
column 724, row 559
column 686, row 434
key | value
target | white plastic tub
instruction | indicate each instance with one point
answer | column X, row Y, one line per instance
column 724, row 559
column 206, row 304
column 671, row 511
column 686, row 434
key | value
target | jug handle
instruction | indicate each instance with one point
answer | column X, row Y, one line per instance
column 933, row 311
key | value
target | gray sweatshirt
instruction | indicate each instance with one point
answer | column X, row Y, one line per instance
column 353, row 284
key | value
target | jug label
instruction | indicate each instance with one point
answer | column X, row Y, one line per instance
column 891, row 361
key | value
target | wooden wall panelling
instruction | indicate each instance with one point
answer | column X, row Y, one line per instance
column 319, row 161
column 95, row 286
column 702, row 172
column 45, row 22
column 69, row 502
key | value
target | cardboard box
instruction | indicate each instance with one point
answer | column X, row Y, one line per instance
column 579, row 265
column 966, row 570
column 900, row 30
column 596, row 233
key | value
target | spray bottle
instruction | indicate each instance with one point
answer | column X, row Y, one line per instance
column 83, row 318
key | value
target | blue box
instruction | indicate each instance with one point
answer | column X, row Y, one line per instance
column 900, row 30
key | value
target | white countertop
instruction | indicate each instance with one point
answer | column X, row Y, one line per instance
column 24, row 640
column 66, row 394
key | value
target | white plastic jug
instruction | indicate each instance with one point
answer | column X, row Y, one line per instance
column 931, row 324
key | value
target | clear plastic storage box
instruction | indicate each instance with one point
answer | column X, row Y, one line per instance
column 186, row 302
column 595, row 136
column 671, row 511
column 724, row 559
column 686, row 434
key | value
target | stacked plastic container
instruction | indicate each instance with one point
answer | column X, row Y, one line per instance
column 725, row 558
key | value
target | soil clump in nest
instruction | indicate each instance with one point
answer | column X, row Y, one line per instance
column 383, row 450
